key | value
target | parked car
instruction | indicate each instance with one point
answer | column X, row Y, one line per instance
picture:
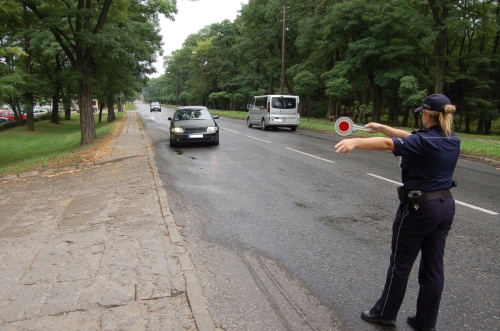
column 4, row 119
column 39, row 111
column 193, row 124
column 10, row 114
column 94, row 109
column 155, row 106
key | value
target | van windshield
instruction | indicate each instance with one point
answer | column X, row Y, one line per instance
column 284, row 103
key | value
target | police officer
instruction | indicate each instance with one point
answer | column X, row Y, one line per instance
column 425, row 215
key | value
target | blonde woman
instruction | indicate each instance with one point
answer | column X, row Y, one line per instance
column 425, row 213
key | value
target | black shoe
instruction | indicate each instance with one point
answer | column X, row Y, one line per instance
column 373, row 317
column 417, row 325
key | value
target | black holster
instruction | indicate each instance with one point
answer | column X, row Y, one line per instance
column 409, row 199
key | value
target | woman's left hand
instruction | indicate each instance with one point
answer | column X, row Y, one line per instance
column 345, row 146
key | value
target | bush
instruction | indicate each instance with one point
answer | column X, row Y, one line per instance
column 8, row 125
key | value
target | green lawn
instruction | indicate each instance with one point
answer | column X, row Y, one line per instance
column 49, row 145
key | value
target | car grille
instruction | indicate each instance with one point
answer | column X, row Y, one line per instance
column 195, row 129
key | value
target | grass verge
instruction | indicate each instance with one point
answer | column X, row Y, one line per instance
column 54, row 145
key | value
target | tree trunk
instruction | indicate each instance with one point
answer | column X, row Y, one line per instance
column 377, row 101
column 28, row 103
column 331, row 106
column 271, row 86
column 487, row 127
column 439, row 43
column 120, row 104
column 416, row 116
column 404, row 122
column 66, row 100
column 480, row 126
column 111, row 109
column 87, row 122
column 467, row 123
column 55, row 105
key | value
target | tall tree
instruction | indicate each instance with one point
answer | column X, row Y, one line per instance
column 80, row 29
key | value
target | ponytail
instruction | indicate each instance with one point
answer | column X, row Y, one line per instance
column 445, row 118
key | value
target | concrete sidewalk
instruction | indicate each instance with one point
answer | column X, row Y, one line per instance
column 96, row 248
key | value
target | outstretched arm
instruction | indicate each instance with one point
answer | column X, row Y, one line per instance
column 387, row 130
column 369, row 144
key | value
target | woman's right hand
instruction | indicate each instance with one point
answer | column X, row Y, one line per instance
column 375, row 127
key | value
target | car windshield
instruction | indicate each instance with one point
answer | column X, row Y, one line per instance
column 192, row 114
column 155, row 104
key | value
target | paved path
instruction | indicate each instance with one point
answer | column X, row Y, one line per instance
column 96, row 248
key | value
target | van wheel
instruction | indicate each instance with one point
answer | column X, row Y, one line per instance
column 293, row 128
column 264, row 127
column 248, row 122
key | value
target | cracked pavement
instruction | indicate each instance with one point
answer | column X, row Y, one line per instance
column 96, row 248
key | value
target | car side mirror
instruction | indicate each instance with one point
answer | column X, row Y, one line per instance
column 249, row 107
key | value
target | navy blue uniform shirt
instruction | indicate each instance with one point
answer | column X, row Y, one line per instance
column 428, row 159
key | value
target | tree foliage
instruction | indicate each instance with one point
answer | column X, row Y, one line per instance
column 90, row 47
column 373, row 57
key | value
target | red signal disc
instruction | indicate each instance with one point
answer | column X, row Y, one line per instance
column 344, row 126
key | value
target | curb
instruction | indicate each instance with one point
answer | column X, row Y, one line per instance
column 193, row 289
column 480, row 159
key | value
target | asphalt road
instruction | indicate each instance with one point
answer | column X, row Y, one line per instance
column 286, row 234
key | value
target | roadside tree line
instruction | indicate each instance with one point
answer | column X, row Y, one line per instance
column 367, row 58
column 62, row 50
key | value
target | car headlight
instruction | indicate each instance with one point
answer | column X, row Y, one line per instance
column 177, row 130
column 212, row 129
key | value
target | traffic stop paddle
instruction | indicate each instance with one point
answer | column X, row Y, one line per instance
column 345, row 126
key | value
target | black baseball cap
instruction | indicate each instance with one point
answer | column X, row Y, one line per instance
column 435, row 102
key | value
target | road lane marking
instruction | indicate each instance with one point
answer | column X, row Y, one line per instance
column 456, row 201
column 316, row 157
column 260, row 139
column 386, row 179
column 477, row 208
column 231, row 131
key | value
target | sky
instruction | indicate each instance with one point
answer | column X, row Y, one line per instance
column 192, row 17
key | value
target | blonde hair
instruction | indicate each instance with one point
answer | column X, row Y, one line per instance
column 445, row 118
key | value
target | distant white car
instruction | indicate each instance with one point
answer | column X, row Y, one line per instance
column 39, row 111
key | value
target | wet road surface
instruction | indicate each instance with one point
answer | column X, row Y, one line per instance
column 286, row 234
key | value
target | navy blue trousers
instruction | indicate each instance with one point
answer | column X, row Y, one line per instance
column 423, row 230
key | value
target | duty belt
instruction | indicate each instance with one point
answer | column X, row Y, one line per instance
column 415, row 198
column 436, row 194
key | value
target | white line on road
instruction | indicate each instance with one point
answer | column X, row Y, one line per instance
column 456, row 201
column 383, row 178
column 230, row 131
column 477, row 208
column 310, row 155
column 260, row 139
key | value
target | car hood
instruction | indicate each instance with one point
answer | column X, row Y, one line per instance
column 194, row 123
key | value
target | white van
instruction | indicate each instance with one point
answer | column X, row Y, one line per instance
column 274, row 111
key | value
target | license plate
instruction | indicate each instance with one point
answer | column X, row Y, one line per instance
column 195, row 136
column 276, row 119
